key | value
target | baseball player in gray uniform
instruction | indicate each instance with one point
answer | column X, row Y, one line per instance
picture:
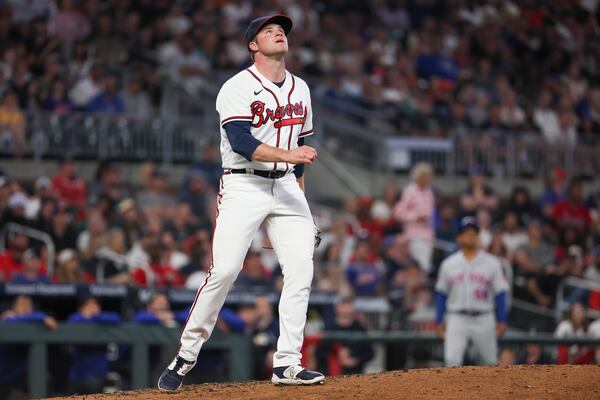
column 470, row 287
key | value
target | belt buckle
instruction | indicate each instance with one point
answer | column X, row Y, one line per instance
column 272, row 174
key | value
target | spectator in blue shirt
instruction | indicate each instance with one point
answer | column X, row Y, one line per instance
column 363, row 273
column 108, row 101
column 158, row 311
column 13, row 358
column 32, row 271
column 89, row 364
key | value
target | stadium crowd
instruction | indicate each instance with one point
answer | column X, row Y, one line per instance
column 426, row 67
column 423, row 67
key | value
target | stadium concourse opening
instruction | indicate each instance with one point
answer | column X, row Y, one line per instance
column 507, row 382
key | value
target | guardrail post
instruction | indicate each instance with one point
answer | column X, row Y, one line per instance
column 36, row 377
column 139, row 365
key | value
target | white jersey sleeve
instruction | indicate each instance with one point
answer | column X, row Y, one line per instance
column 307, row 128
column 233, row 103
column 442, row 280
column 564, row 329
column 594, row 329
column 499, row 283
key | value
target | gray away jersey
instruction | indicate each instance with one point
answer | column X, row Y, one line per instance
column 471, row 285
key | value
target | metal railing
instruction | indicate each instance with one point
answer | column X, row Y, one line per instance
column 580, row 288
column 35, row 234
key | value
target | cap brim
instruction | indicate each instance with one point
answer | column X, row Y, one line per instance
column 280, row 19
column 467, row 227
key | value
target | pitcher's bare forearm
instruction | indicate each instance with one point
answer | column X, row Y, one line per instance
column 301, row 155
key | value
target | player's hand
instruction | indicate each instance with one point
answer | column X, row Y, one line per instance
column 500, row 329
column 302, row 155
column 441, row 330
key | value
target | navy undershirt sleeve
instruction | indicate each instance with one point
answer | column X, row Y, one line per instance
column 240, row 138
column 440, row 307
column 299, row 168
column 501, row 309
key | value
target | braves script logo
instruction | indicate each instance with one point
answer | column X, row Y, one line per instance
column 260, row 115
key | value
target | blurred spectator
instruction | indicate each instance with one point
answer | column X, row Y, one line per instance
column 197, row 193
column 572, row 212
column 210, row 164
column 42, row 188
column 363, row 272
column 402, row 271
column 254, row 274
column 382, row 209
column 69, row 186
column 513, row 234
column 523, row 206
column 507, row 356
column 447, row 227
column 16, row 211
column 484, row 220
column 63, row 230
column 107, row 186
column 57, row 100
column 534, row 262
column 576, row 325
column 155, row 199
column 89, row 364
column 109, row 100
column 69, row 24
column 13, row 359
column 129, row 219
column 88, row 87
column 11, row 259
column 112, row 263
column 184, row 63
column 137, row 102
column 592, row 274
column 12, row 124
column 154, row 271
column 341, row 358
column 33, row 270
column 93, row 238
column 534, row 354
column 415, row 211
column 158, row 311
column 554, row 191
column 478, row 195
column 265, row 333
column 69, row 270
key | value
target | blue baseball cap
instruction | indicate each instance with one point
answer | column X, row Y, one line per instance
column 468, row 222
column 256, row 25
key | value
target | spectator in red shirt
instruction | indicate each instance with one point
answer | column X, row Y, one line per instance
column 11, row 260
column 70, row 187
column 572, row 212
column 157, row 272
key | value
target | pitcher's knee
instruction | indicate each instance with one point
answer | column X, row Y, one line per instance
column 224, row 274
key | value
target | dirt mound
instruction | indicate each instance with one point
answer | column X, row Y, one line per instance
column 520, row 382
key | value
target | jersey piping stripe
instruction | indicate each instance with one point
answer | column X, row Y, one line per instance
column 307, row 133
column 287, row 166
column 236, row 117
column 212, row 262
column 276, row 100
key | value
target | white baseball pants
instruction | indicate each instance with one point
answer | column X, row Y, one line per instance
column 480, row 330
column 245, row 201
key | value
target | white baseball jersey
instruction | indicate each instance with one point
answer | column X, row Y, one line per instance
column 279, row 115
column 471, row 285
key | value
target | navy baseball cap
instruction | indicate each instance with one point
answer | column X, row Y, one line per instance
column 468, row 222
column 255, row 26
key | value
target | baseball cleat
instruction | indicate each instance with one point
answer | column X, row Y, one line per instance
column 296, row 375
column 172, row 377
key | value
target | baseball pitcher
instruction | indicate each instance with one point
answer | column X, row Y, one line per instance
column 265, row 113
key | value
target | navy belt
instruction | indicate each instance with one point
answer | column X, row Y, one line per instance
column 472, row 313
column 264, row 174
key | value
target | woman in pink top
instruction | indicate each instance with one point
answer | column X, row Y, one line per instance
column 415, row 212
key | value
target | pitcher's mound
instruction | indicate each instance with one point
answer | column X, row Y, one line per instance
column 515, row 382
